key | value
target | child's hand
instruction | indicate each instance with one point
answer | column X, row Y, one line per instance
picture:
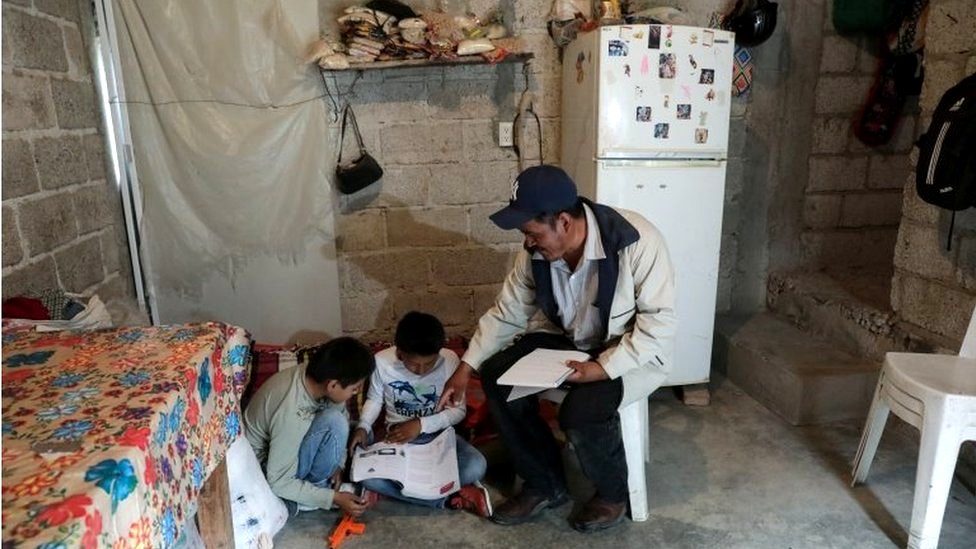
column 404, row 432
column 359, row 438
column 350, row 503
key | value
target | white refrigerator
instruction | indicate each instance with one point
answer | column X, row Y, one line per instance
column 645, row 124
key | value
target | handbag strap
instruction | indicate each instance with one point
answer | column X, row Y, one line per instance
column 350, row 116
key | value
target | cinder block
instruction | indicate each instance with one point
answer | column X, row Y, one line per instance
column 60, row 161
column 427, row 227
column 841, row 94
column 117, row 287
column 916, row 209
column 738, row 132
column 65, row 9
column 801, row 378
column 931, row 304
column 13, row 251
column 470, row 266
column 422, row 143
column 385, row 104
column 546, row 55
column 871, row 209
column 77, row 56
column 868, row 247
column 529, row 15
column 484, row 298
column 80, row 265
column 867, row 55
column 481, row 145
column 95, row 156
column 75, row 104
column 471, row 183
column 27, row 102
column 112, row 252
column 452, row 306
column 966, row 271
column 367, row 312
column 837, row 173
column 384, row 270
column 47, row 223
column 34, row 276
column 19, row 176
column 920, row 249
column 484, row 231
column 365, row 230
column 940, row 75
column 546, row 97
column 93, row 207
column 830, row 135
column 468, row 99
column 36, row 42
column 889, row 172
column 821, row 211
column 404, row 186
column 839, row 54
column 950, row 27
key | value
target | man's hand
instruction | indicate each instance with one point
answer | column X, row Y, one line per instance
column 358, row 438
column 349, row 503
column 403, row 432
column 586, row 372
column 455, row 387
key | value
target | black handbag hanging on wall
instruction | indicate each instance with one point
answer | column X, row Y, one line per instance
column 355, row 175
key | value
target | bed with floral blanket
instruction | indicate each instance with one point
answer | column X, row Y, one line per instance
column 108, row 436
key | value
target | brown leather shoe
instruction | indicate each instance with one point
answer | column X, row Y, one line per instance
column 525, row 506
column 599, row 514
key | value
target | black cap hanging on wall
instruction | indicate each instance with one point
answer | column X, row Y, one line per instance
column 752, row 21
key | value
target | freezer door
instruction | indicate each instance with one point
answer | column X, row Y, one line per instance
column 663, row 91
column 684, row 200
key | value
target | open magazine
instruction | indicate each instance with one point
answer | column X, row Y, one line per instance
column 426, row 471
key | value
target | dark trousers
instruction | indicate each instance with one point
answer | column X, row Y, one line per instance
column 588, row 416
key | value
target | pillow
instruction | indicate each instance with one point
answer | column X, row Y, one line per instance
column 257, row 512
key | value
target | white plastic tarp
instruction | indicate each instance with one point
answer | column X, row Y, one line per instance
column 229, row 132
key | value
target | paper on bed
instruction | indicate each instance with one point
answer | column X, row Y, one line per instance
column 539, row 370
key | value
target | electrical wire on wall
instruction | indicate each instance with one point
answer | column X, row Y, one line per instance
column 337, row 100
column 525, row 107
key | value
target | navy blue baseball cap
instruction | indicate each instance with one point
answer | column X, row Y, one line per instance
column 536, row 191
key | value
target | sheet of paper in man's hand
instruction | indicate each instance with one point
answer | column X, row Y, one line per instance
column 539, row 370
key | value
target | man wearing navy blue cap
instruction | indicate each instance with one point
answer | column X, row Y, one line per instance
column 590, row 278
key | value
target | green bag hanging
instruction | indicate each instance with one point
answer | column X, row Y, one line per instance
column 851, row 16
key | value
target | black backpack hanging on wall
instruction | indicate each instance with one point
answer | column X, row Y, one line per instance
column 946, row 171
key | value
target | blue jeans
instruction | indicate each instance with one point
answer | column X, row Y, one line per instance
column 323, row 450
column 471, row 468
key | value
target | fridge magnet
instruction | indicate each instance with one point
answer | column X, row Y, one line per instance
column 617, row 48
column 643, row 114
column 667, row 65
column 654, row 37
column 707, row 38
column 579, row 67
column 638, row 35
column 707, row 76
column 627, row 70
column 710, row 95
column 661, row 130
column 625, row 32
column 691, row 59
column 667, row 101
column 702, row 118
column 645, row 66
column 668, row 32
column 693, row 39
column 701, row 135
column 638, row 91
column 684, row 111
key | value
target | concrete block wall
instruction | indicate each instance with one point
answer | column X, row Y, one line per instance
column 852, row 203
column 421, row 238
column 933, row 287
column 62, row 225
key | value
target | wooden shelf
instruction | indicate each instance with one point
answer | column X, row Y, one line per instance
column 404, row 63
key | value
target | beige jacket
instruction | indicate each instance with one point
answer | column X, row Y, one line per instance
column 642, row 323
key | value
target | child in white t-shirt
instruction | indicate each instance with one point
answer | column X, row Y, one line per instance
column 408, row 381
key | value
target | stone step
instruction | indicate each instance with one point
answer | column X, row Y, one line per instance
column 850, row 309
column 799, row 376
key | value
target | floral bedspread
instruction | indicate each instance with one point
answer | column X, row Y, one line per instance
column 109, row 435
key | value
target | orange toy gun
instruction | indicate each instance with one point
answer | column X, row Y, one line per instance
column 347, row 526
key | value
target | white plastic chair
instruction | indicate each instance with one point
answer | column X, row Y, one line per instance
column 635, row 430
column 936, row 394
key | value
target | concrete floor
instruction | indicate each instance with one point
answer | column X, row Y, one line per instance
column 728, row 475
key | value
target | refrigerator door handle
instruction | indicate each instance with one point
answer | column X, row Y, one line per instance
column 684, row 163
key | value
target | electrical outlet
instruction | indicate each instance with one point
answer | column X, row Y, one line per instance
column 505, row 138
